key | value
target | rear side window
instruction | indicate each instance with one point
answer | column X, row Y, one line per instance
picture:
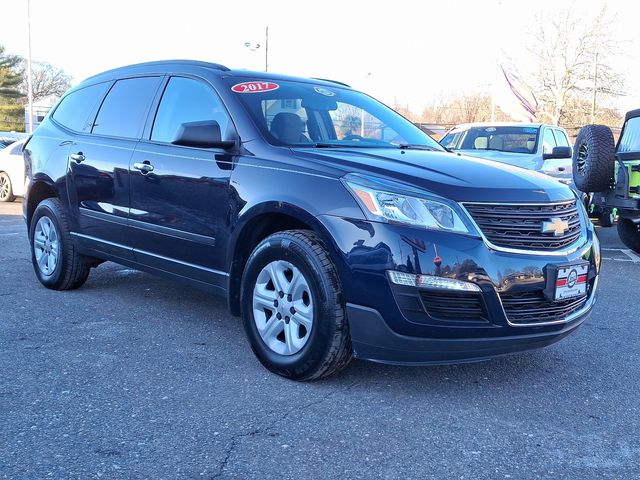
column 187, row 100
column 123, row 112
column 74, row 109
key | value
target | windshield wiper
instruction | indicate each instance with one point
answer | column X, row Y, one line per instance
column 342, row 145
column 411, row 146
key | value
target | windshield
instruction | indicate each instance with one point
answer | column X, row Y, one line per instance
column 511, row 139
column 303, row 114
column 630, row 139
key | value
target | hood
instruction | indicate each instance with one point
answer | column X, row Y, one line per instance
column 453, row 176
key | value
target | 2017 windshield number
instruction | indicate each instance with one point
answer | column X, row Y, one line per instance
column 254, row 87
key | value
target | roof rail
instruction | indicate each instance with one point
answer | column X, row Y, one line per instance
column 215, row 66
column 332, row 81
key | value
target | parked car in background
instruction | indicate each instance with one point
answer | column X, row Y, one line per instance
column 610, row 173
column 7, row 138
column 12, row 177
column 534, row 146
column 333, row 225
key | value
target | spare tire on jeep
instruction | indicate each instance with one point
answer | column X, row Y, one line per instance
column 594, row 158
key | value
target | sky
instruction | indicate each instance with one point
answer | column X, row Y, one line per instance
column 407, row 53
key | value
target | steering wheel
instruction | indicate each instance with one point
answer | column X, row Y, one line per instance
column 353, row 137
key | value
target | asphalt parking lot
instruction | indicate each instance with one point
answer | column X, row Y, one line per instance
column 133, row 376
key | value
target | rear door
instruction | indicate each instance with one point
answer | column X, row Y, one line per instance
column 99, row 165
column 180, row 195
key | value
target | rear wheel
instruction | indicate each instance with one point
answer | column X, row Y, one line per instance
column 56, row 261
column 593, row 158
column 292, row 307
column 629, row 233
column 6, row 191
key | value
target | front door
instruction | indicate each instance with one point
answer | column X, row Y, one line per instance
column 179, row 195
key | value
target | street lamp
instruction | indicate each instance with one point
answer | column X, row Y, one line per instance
column 255, row 46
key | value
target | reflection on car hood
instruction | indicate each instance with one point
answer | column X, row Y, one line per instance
column 524, row 160
column 450, row 175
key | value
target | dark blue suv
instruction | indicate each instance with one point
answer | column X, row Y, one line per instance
column 333, row 225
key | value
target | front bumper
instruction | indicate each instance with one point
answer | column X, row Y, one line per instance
column 372, row 339
column 393, row 324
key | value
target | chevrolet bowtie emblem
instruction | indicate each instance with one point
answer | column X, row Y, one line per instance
column 555, row 225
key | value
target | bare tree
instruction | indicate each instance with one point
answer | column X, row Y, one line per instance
column 460, row 108
column 573, row 61
column 48, row 81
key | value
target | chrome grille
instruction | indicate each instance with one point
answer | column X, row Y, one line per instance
column 520, row 226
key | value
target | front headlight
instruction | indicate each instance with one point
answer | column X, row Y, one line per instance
column 395, row 207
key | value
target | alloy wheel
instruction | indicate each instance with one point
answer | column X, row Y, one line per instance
column 4, row 187
column 46, row 245
column 283, row 307
column 581, row 161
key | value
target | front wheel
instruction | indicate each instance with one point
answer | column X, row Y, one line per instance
column 292, row 307
column 629, row 233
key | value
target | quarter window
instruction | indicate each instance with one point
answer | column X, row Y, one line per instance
column 76, row 108
column 123, row 112
column 186, row 100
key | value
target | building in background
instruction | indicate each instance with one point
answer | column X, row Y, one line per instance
column 40, row 110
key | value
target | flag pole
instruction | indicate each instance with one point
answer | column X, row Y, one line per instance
column 29, row 79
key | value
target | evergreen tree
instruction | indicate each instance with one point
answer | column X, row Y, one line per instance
column 10, row 77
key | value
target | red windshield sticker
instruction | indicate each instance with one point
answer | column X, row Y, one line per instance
column 254, row 87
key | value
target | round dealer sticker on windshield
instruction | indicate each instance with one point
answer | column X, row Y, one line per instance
column 324, row 91
column 254, row 87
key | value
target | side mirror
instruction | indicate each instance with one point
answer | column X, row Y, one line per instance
column 203, row 134
column 558, row 152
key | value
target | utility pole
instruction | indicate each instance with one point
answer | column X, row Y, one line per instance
column 595, row 89
column 266, row 49
column 29, row 79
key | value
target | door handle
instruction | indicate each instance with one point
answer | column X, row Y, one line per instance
column 77, row 157
column 144, row 167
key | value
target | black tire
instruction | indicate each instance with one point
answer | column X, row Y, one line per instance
column 71, row 269
column 6, row 190
column 328, row 348
column 606, row 218
column 629, row 233
column 594, row 158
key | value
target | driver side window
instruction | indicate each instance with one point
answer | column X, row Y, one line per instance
column 187, row 100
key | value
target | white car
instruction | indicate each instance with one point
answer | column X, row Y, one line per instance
column 535, row 146
column 12, row 177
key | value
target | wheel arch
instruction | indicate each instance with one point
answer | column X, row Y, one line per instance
column 40, row 189
column 257, row 224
